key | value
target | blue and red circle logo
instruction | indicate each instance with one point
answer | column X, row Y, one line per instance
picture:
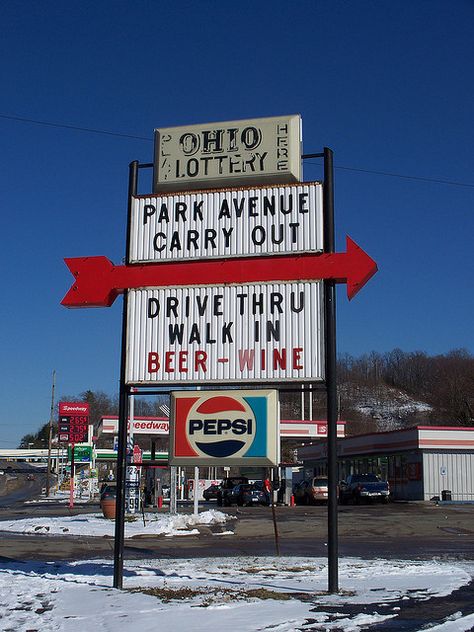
column 220, row 426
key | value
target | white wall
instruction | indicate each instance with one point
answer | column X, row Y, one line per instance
column 450, row 471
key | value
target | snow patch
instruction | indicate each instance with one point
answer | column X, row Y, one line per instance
column 96, row 525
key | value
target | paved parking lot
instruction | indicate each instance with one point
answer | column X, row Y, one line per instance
column 401, row 530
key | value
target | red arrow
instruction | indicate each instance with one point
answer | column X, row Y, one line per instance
column 99, row 281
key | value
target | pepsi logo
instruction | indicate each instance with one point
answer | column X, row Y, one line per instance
column 221, row 426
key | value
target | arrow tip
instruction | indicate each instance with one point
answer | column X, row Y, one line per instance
column 362, row 268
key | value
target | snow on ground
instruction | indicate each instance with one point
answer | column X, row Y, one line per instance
column 389, row 407
column 96, row 525
column 245, row 593
column 60, row 496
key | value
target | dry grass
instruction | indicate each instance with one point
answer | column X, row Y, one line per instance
column 253, row 570
column 213, row 595
column 207, row 596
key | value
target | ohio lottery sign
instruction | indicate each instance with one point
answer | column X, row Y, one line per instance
column 225, row 428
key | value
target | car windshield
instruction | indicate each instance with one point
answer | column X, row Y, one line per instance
column 364, row 478
column 320, row 482
column 229, row 483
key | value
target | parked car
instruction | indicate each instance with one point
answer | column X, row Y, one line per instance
column 298, row 491
column 247, row 494
column 311, row 491
column 226, row 487
column 211, row 492
column 357, row 487
column 255, row 494
column 233, row 496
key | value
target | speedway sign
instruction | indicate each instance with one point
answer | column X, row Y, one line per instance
column 266, row 332
column 225, row 427
column 73, row 423
column 139, row 425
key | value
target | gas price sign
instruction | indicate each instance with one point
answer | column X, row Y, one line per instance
column 73, row 424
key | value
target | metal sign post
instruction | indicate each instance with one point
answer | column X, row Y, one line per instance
column 173, row 491
column 71, row 480
column 123, row 412
column 331, row 381
column 196, row 491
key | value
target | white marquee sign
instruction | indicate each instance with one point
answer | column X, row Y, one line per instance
column 271, row 332
column 227, row 223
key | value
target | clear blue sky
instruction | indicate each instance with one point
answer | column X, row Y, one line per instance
column 386, row 84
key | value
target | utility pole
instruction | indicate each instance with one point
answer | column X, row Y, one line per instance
column 50, row 435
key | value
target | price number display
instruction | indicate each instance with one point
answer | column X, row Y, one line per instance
column 132, row 504
column 78, row 428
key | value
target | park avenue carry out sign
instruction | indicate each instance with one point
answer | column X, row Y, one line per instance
column 228, row 223
column 230, row 153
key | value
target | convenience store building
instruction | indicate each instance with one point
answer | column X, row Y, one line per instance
column 420, row 463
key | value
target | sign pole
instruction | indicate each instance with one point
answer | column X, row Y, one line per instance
column 196, row 485
column 173, row 491
column 71, row 486
column 50, row 437
column 331, row 379
column 123, row 408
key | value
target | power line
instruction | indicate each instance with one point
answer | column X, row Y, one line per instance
column 135, row 137
column 73, row 127
column 404, row 176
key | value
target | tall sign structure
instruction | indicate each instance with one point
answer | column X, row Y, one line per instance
column 73, row 427
column 229, row 279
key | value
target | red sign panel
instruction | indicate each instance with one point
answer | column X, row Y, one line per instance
column 137, row 454
column 73, row 426
column 73, row 408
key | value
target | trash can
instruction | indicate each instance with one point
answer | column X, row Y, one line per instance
column 446, row 494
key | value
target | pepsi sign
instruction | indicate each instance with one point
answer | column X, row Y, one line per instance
column 225, row 428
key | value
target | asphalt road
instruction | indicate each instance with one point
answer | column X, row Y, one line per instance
column 398, row 530
column 15, row 486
